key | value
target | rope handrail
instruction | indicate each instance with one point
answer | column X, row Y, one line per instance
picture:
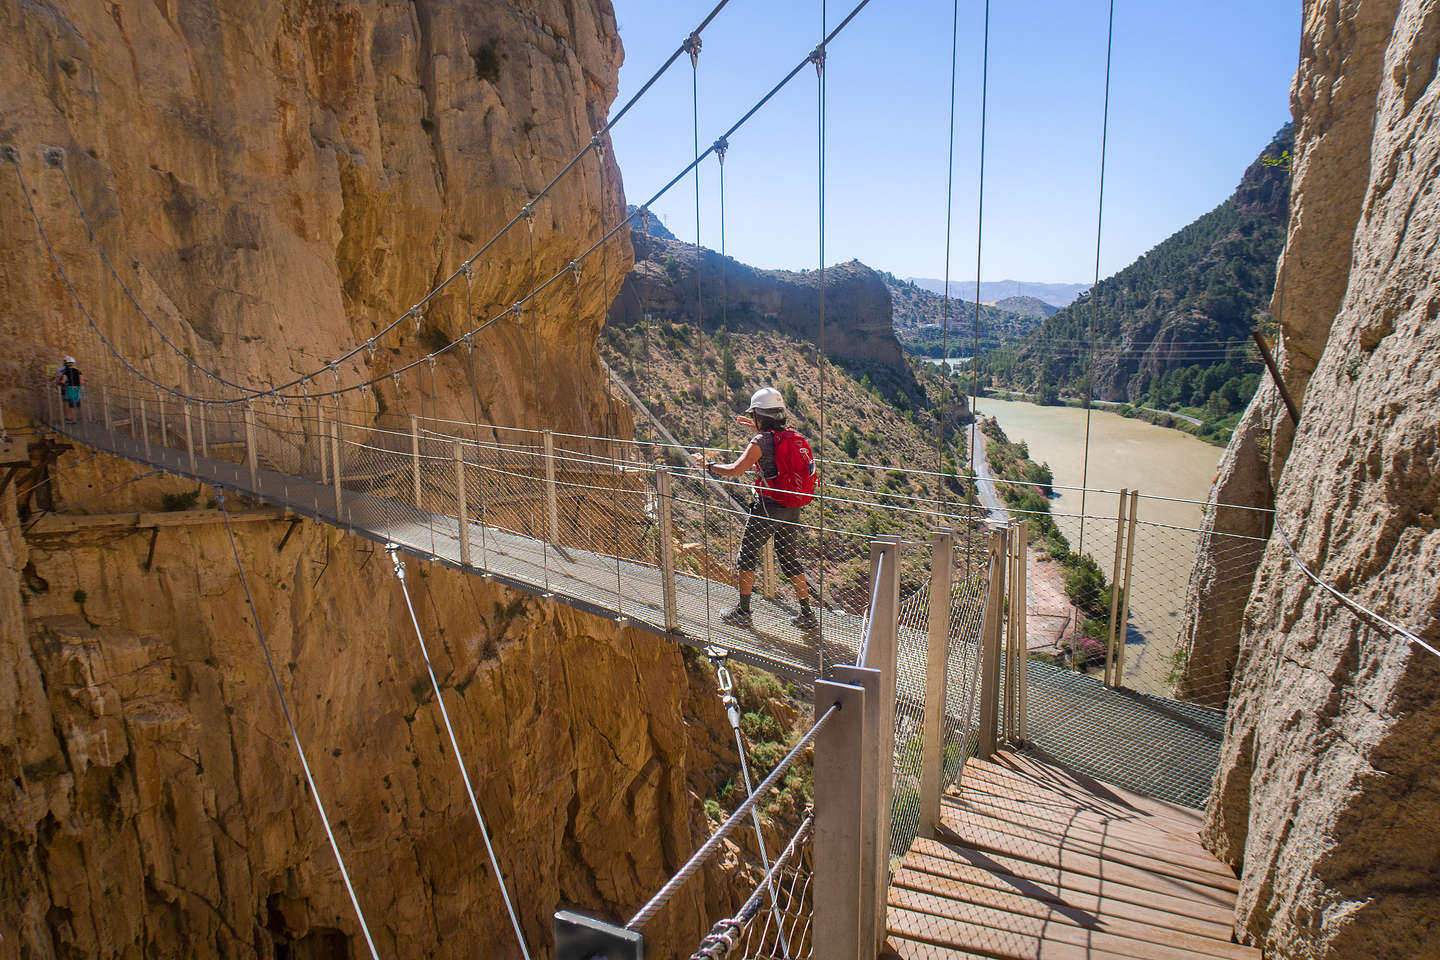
column 1352, row 605
column 708, row 848
column 55, row 157
column 725, row 933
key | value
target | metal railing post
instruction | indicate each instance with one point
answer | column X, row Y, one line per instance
column 1014, row 614
column 251, row 457
column 942, row 564
column 1114, row 596
column 105, row 400
column 1124, row 623
column 130, row 406
column 462, row 513
column 880, row 655
column 840, row 823
column 160, row 406
column 990, row 650
column 189, row 439
column 1021, row 587
column 204, row 447
column 335, row 466
column 769, row 585
column 144, row 430
column 415, row 458
column 552, row 512
column 875, row 837
column 666, row 534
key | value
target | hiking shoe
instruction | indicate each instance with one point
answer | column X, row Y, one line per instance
column 736, row 617
column 806, row 622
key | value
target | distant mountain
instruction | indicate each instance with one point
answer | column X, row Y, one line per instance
column 662, row 288
column 1055, row 294
column 1027, row 307
column 918, row 316
column 1172, row 329
column 652, row 225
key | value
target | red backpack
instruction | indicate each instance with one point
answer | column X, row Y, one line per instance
column 794, row 482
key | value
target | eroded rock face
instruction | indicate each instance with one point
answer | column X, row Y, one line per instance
column 154, row 804
column 1333, row 102
column 278, row 180
column 1328, row 791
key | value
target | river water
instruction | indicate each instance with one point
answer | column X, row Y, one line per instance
column 1132, row 454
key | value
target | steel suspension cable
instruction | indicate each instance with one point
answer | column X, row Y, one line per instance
column 56, row 158
column 1095, row 290
column 394, row 552
column 819, row 58
column 694, row 50
column 623, row 223
column 290, row 722
column 979, row 249
column 945, row 308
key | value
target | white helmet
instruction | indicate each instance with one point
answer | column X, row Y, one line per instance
column 69, row 359
column 767, row 400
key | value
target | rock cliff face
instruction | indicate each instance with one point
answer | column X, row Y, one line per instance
column 153, row 804
column 277, row 180
column 858, row 332
column 1328, row 791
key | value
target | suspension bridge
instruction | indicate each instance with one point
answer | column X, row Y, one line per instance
column 928, row 836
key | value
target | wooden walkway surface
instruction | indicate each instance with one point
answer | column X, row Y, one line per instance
column 1036, row 863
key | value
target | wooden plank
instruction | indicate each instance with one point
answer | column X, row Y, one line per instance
column 1074, row 795
column 1070, row 914
column 1057, row 820
column 987, row 837
column 1014, row 824
column 1037, row 769
column 1079, row 863
column 1086, row 893
column 988, row 942
column 902, row 948
column 56, row 523
column 986, row 924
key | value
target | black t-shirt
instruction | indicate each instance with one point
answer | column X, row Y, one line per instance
column 70, row 377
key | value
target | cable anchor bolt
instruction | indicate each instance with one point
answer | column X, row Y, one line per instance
column 9, row 153
column 692, row 46
column 817, row 57
column 394, row 552
column 54, row 156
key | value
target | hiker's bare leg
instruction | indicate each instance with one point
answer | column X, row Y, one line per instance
column 747, row 582
column 802, row 590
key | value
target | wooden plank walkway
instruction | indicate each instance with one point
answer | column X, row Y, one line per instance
column 1033, row 862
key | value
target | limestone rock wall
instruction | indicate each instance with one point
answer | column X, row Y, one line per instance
column 1328, row 788
column 154, row 806
column 276, row 180
column 1333, row 102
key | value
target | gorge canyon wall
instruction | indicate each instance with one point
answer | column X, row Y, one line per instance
column 276, row 180
column 1328, row 787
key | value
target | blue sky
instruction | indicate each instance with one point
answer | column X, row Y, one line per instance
column 1197, row 90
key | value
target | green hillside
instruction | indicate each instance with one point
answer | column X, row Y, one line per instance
column 1172, row 329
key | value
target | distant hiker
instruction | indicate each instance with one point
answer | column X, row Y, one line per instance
column 70, row 382
column 787, row 480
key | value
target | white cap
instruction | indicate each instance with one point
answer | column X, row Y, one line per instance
column 69, row 359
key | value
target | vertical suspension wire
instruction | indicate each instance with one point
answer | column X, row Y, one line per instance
column 979, row 249
column 820, row 338
column 609, row 395
column 693, row 44
column 1095, row 290
column 455, row 746
column 542, row 531
column 945, row 308
column 290, row 722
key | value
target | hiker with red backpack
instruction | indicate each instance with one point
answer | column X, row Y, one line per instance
column 786, row 483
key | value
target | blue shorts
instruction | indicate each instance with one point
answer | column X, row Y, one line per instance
column 71, row 395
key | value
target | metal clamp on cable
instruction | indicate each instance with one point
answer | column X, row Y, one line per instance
column 394, row 552
column 692, row 46
column 817, row 57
